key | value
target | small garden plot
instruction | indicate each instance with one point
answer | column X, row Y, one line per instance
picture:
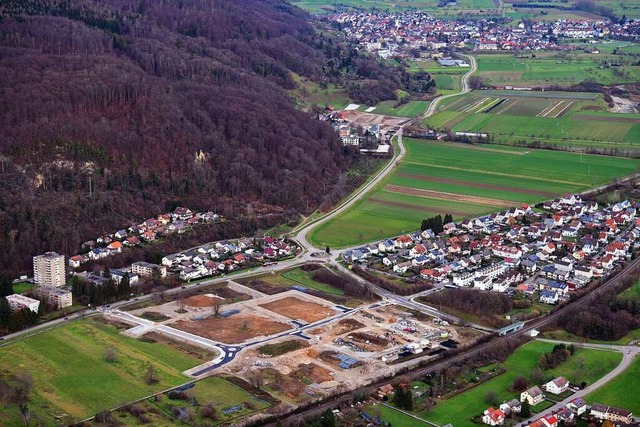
column 286, row 386
column 233, row 329
column 295, row 308
column 311, row 373
column 212, row 399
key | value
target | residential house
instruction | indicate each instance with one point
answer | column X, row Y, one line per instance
column 577, row 406
column 385, row 390
column 511, row 406
column 565, row 415
column 556, row 386
column 534, row 396
column 402, row 267
column 493, row 417
column 549, row 297
column 77, row 260
column 610, row 413
column 549, row 420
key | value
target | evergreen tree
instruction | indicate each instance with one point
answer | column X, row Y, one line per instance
column 328, row 419
column 5, row 312
column 525, row 412
column 124, row 287
column 6, row 286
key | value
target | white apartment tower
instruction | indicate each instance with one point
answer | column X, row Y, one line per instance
column 48, row 270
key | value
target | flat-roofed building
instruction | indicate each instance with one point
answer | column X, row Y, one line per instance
column 57, row 297
column 49, row 270
column 18, row 302
column 146, row 268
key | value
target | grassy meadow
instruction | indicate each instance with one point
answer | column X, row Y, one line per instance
column 72, row 379
column 620, row 391
column 548, row 68
column 464, row 180
column 585, row 365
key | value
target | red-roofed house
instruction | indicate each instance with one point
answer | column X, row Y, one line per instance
column 493, row 417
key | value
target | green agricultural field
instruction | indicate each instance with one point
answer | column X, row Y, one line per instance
column 585, row 365
column 327, row 6
column 387, row 214
column 464, row 180
column 71, row 375
column 563, row 69
column 621, row 391
column 410, row 109
column 577, row 120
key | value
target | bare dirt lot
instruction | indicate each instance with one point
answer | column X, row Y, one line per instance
column 232, row 330
column 295, row 308
column 202, row 301
column 358, row 118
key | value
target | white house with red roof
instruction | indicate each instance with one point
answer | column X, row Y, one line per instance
column 493, row 417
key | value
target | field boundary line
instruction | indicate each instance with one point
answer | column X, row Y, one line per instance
column 547, row 109
column 454, row 197
column 491, row 104
column 564, row 109
column 467, row 108
column 535, row 178
column 554, row 108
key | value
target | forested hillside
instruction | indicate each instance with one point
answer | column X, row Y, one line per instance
column 114, row 110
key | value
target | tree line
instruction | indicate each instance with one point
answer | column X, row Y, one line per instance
column 436, row 223
column 392, row 286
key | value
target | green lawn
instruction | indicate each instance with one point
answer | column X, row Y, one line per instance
column 621, row 391
column 561, row 335
column 395, row 418
column 71, row 375
column 585, row 365
column 410, row 109
column 19, row 288
column 305, row 278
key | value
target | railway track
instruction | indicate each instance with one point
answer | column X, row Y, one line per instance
column 343, row 398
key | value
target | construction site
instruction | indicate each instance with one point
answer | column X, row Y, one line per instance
column 299, row 345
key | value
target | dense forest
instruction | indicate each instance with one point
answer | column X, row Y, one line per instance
column 115, row 110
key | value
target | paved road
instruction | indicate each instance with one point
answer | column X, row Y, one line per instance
column 629, row 354
column 301, row 236
column 466, row 88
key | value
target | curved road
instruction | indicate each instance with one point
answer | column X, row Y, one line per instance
column 301, row 236
column 629, row 354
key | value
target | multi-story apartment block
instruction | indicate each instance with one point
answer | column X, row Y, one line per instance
column 49, row 270
column 18, row 302
column 146, row 269
column 57, row 297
